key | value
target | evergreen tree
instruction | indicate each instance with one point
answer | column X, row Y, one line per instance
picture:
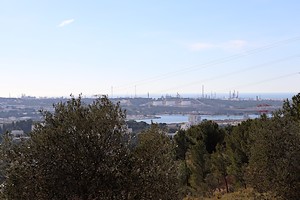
column 238, row 145
column 274, row 164
column 181, row 144
column 219, row 165
column 198, row 163
column 78, row 152
column 209, row 132
column 155, row 166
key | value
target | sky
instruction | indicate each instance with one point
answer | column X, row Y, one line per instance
column 135, row 47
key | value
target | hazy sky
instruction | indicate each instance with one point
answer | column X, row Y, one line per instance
column 59, row 47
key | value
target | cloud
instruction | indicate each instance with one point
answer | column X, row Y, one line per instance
column 201, row 46
column 66, row 22
column 229, row 45
column 236, row 44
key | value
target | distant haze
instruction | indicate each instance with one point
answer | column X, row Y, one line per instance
column 275, row 96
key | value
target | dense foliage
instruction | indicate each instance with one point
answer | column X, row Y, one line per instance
column 85, row 152
column 156, row 166
column 82, row 152
column 263, row 154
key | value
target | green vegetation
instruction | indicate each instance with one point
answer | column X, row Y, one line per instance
column 157, row 169
column 85, row 152
column 263, row 154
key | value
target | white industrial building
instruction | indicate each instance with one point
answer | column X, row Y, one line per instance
column 186, row 103
column 157, row 103
column 170, row 103
column 194, row 119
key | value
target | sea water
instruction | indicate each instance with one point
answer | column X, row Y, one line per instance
column 169, row 119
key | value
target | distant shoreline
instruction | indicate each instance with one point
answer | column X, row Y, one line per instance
column 246, row 95
column 170, row 119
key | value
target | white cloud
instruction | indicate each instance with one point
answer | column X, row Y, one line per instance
column 229, row 45
column 201, row 46
column 236, row 44
column 66, row 22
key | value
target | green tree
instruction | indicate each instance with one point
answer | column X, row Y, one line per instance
column 137, row 127
column 24, row 125
column 203, row 140
column 292, row 108
column 156, row 166
column 238, row 145
column 198, row 163
column 274, row 164
column 181, row 147
column 78, row 152
column 208, row 132
column 184, row 174
column 181, row 144
column 275, row 154
column 219, row 165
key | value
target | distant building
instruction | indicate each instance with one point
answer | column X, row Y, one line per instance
column 185, row 126
column 125, row 102
column 194, row 119
column 157, row 103
column 170, row 103
column 17, row 133
column 186, row 103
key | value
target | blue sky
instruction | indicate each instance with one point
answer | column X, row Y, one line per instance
column 55, row 48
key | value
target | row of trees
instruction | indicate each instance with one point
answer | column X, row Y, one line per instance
column 263, row 154
column 85, row 152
